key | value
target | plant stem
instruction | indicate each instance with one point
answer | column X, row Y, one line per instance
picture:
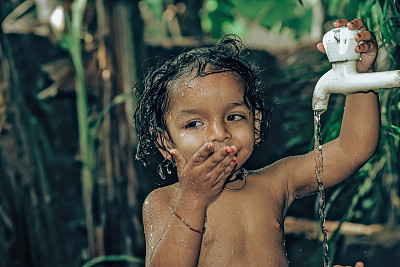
column 86, row 141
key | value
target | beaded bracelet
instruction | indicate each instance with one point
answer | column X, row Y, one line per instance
column 187, row 225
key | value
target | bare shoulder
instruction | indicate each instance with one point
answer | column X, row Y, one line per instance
column 278, row 177
column 156, row 215
column 160, row 198
column 296, row 173
column 275, row 173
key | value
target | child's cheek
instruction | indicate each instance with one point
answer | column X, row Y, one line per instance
column 190, row 144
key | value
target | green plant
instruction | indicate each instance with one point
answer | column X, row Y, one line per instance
column 71, row 42
column 372, row 194
column 88, row 130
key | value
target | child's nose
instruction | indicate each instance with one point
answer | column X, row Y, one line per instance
column 218, row 131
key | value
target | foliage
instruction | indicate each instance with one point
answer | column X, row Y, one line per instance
column 372, row 194
column 383, row 17
column 24, row 19
column 72, row 43
column 222, row 17
column 233, row 16
column 88, row 130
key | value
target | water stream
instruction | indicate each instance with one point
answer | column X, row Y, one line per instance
column 321, row 189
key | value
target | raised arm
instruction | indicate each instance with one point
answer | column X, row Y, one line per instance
column 359, row 133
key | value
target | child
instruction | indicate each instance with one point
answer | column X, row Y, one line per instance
column 203, row 110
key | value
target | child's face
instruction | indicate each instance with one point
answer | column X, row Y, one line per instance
column 211, row 109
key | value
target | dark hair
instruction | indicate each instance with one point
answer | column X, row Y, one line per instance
column 154, row 89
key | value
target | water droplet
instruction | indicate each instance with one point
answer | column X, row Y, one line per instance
column 168, row 170
column 160, row 172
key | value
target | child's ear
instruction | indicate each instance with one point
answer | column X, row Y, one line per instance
column 257, row 127
column 164, row 145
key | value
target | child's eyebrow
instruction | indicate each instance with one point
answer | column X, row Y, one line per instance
column 194, row 111
column 238, row 104
column 188, row 112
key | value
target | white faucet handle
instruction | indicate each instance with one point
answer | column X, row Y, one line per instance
column 339, row 44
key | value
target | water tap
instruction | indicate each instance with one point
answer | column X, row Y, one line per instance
column 343, row 78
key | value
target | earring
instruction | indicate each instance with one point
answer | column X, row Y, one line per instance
column 168, row 164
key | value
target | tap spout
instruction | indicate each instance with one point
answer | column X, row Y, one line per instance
column 343, row 78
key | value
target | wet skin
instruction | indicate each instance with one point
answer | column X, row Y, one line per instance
column 211, row 136
column 207, row 121
column 213, row 112
column 210, row 120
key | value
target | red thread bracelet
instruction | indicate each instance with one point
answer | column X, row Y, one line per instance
column 187, row 225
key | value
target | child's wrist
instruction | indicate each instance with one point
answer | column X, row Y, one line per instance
column 192, row 199
column 200, row 231
column 192, row 210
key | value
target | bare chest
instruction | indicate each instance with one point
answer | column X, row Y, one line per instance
column 241, row 233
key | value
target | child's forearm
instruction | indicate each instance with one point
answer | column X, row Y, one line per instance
column 180, row 245
column 360, row 130
column 358, row 138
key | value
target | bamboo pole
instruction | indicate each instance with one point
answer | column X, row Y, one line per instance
column 354, row 233
column 86, row 140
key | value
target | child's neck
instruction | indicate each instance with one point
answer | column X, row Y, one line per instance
column 237, row 182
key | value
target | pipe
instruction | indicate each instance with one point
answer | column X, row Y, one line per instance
column 343, row 78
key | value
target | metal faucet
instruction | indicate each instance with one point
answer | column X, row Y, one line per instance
column 343, row 78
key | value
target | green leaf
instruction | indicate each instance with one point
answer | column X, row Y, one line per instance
column 66, row 42
column 397, row 137
column 396, row 128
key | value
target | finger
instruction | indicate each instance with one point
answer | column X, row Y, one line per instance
column 359, row 264
column 227, row 172
column 220, row 159
column 357, row 24
column 225, row 167
column 367, row 47
column 321, row 48
column 203, row 153
column 365, row 36
column 179, row 159
column 210, row 177
column 340, row 23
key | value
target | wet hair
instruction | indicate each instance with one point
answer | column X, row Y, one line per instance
column 227, row 55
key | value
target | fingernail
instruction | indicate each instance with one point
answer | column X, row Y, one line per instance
column 210, row 145
column 233, row 150
column 234, row 160
column 358, row 35
column 173, row 154
column 352, row 23
column 358, row 47
column 227, row 150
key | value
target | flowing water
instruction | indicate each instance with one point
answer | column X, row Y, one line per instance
column 321, row 189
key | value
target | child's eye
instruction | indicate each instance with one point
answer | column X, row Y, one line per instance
column 193, row 124
column 235, row 117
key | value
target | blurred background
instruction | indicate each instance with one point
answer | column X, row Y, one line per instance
column 71, row 190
